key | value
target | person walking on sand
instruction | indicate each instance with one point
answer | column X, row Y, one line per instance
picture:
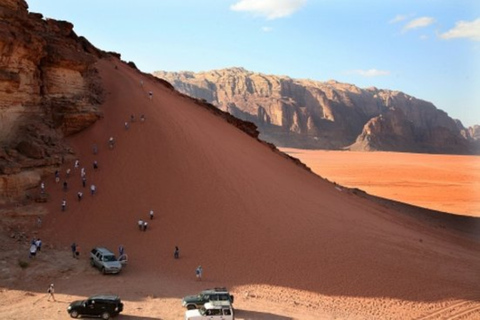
column 140, row 224
column 95, row 165
column 38, row 243
column 79, row 195
column 145, row 225
column 176, row 253
column 93, row 189
column 111, row 143
column 121, row 250
column 151, row 214
column 198, row 273
column 77, row 164
column 74, row 249
column 150, row 95
column 50, row 292
column 64, row 204
column 84, row 181
column 77, row 251
column 42, row 187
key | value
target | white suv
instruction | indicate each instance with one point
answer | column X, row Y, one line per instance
column 104, row 260
column 211, row 310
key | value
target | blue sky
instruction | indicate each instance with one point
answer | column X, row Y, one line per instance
column 426, row 48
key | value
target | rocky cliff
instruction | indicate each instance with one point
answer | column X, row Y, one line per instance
column 49, row 89
column 328, row 115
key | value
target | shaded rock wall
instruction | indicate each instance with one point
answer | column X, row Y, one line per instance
column 49, row 89
column 328, row 115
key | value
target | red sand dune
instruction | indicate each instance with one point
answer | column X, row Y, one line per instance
column 246, row 214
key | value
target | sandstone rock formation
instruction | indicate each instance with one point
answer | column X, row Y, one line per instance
column 328, row 115
column 49, row 89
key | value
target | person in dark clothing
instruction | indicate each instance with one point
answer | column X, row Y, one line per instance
column 74, row 249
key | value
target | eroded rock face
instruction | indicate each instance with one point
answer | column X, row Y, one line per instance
column 49, row 89
column 328, row 115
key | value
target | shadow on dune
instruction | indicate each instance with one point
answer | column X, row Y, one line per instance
column 253, row 315
column 128, row 317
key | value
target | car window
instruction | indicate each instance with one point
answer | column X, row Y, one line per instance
column 213, row 297
column 109, row 258
column 223, row 297
column 214, row 312
column 206, row 297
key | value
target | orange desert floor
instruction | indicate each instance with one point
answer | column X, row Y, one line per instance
column 448, row 183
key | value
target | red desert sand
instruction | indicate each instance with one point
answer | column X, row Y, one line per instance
column 448, row 183
column 287, row 243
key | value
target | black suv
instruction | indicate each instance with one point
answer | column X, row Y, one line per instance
column 103, row 306
column 215, row 294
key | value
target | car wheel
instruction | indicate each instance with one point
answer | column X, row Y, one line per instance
column 104, row 271
column 105, row 315
column 74, row 314
column 191, row 307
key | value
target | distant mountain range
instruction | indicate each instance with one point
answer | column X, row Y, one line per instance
column 329, row 115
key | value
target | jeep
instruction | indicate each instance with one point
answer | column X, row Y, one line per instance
column 103, row 306
column 105, row 260
column 215, row 294
column 211, row 310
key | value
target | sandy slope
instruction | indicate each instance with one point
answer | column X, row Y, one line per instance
column 448, row 183
column 296, row 245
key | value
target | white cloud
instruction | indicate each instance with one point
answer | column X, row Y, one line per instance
column 271, row 9
column 418, row 23
column 369, row 72
column 464, row 29
column 267, row 29
column 398, row 18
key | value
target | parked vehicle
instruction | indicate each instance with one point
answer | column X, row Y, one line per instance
column 104, row 260
column 211, row 310
column 215, row 294
column 103, row 306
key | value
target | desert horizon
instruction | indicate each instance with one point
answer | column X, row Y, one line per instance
column 447, row 183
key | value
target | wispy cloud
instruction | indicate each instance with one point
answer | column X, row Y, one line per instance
column 418, row 23
column 464, row 29
column 267, row 29
column 369, row 72
column 399, row 18
column 271, row 9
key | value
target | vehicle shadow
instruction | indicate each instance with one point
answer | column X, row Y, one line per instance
column 129, row 317
column 255, row 315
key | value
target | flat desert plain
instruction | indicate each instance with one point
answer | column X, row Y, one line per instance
column 448, row 183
